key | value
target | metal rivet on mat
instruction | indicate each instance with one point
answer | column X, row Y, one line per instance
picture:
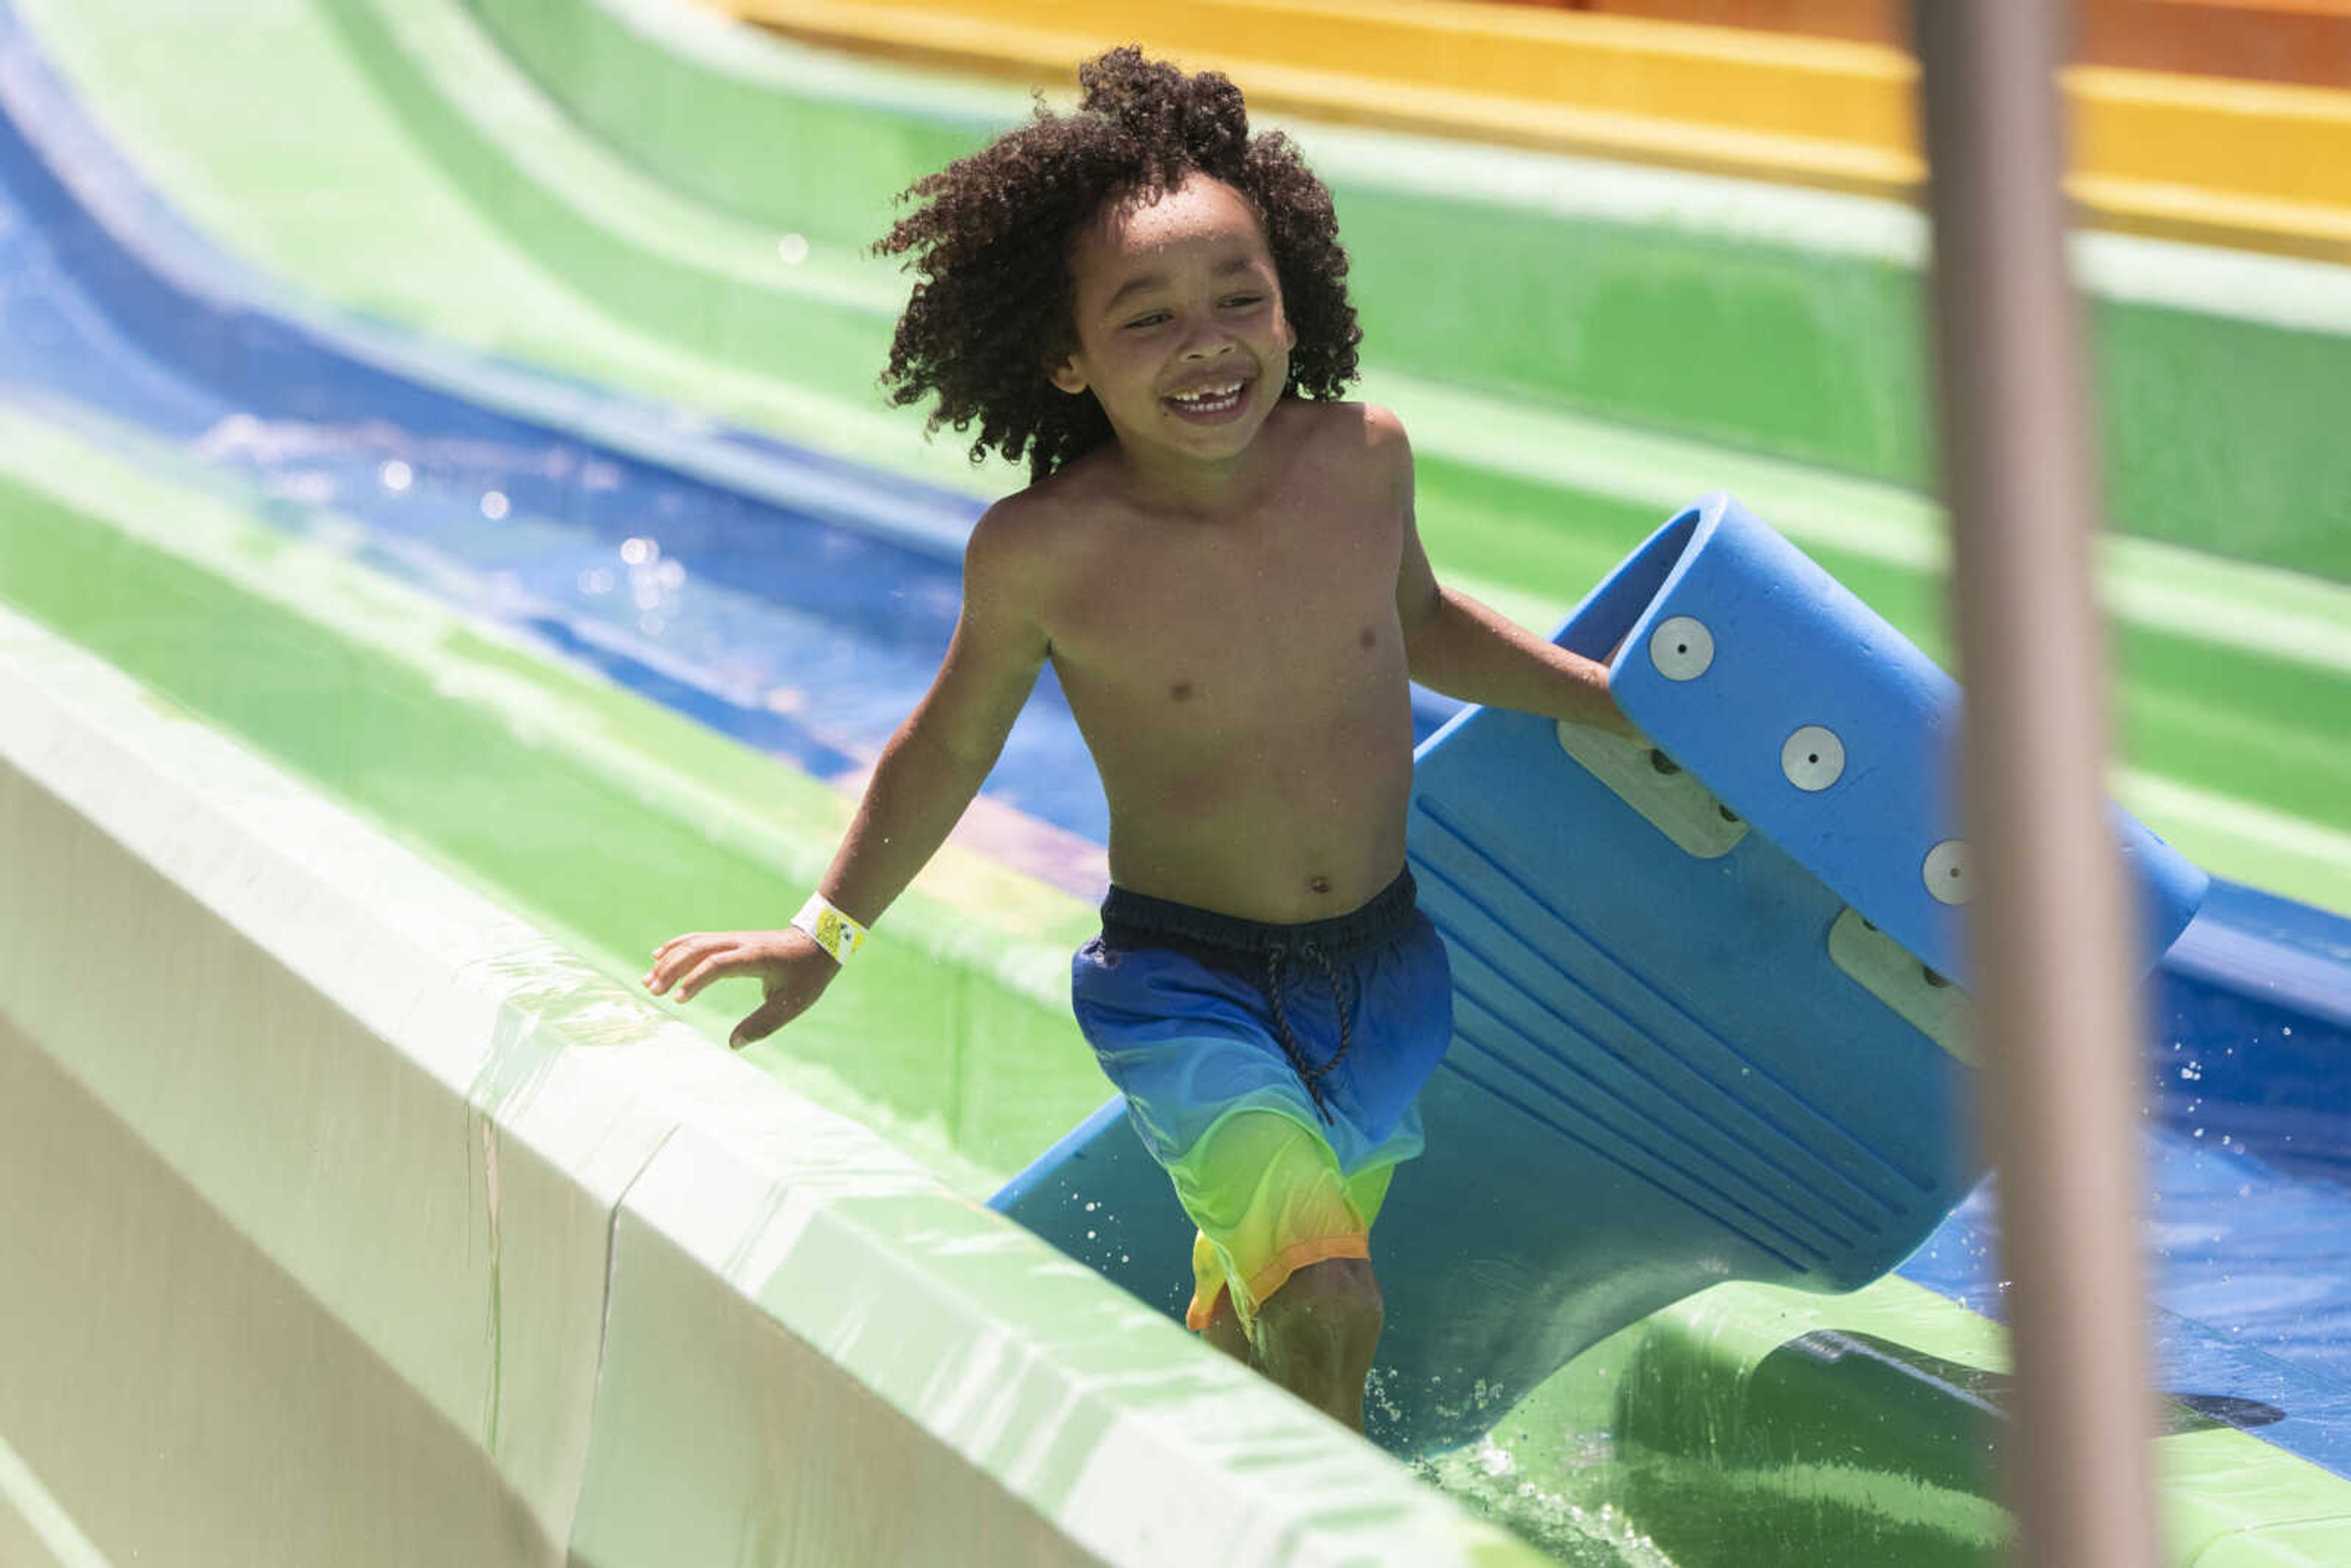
column 1814, row 758
column 1945, row 872
column 1681, row 648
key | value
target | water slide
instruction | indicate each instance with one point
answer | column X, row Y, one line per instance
column 466, row 362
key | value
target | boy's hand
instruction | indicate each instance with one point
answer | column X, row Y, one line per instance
column 788, row 963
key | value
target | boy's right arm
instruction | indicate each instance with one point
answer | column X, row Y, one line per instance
column 928, row 774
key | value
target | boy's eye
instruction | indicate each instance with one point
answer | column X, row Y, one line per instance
column 1242, row 301
column 1152, row 319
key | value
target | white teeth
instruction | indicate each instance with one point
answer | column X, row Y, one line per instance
column 1206, row 394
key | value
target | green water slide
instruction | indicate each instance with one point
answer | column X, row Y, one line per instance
column 649, row 197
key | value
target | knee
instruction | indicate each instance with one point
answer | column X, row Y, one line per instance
column 1327, row 1314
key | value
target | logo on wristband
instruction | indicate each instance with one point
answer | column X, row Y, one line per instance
column 831, row 930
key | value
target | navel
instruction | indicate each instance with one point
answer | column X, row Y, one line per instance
column 1320, row 884
column 1366, row 637
column 1180, row 691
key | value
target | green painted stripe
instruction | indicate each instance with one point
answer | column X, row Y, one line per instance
column 2282, row 291
column 717, row 284
column 2216, row 830
column 2285, row 615
column 667, row 86
column 438, row 60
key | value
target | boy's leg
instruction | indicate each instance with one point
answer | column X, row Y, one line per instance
column 1281, row 1269
column 1223, row 1329
column 1317, row 1334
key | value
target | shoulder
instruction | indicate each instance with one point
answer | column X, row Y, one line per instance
column 1360, row 427
column 1357, row 426
column 1023, row 549
column 1041, row 513
column 1012, row 537
column 1362, row 439
column 1383, row 432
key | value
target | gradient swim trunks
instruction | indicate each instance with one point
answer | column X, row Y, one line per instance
column 1272, row 1070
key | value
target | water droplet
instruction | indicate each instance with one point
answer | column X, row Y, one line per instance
column 395, row 476
column 495, row 505
column 792, row 249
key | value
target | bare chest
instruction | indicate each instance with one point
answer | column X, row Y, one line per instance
column 1208, row 626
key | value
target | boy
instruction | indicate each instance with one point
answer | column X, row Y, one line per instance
column 1221, row 563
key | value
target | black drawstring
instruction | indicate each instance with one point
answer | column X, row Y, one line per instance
column 1271, row 985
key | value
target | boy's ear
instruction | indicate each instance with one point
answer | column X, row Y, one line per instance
column 1067, row 376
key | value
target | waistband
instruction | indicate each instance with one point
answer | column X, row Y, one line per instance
column 1132, row 919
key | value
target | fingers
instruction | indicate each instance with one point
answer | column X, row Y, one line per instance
column 684, row 965
column 681, row 955
column 716, row 965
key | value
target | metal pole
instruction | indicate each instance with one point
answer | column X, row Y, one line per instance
column 2048, row 917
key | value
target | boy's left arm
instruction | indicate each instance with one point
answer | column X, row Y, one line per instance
column 1465, row 648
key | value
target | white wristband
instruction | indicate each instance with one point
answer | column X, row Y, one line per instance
column 834, row 932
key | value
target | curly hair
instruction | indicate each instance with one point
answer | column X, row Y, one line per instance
column 993, row 299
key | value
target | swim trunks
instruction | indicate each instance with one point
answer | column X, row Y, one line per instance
column 1273, row 1071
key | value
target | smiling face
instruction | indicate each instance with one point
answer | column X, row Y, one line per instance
column 1180, row 329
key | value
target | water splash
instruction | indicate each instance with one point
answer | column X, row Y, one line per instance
column 1564, row 1511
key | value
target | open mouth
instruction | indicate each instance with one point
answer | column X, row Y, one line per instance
column 1208, row 403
